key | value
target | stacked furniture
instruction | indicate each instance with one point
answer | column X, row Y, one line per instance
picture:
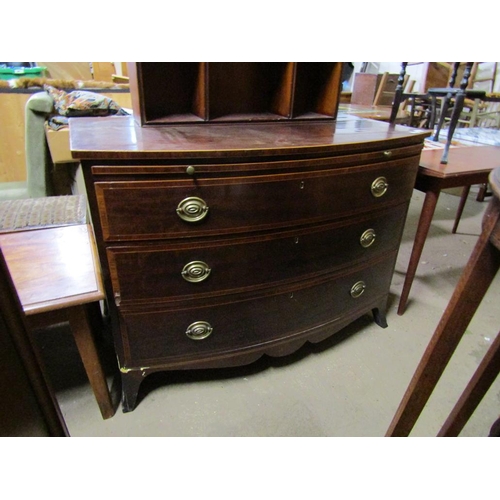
column 236, row 215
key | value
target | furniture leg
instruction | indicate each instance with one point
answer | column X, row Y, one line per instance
column 495, row 429
column 379, row 314
column 479, row 384
column 461, row 205
column 432, row 119
column 483, row 192
column 473, row 284
column 429, row 206
column 412, row 110
column 379, row 317
column 398, row 94
column 80, row 326
column 130, row 389
column 444, row 109
column 94, row 315
column 457, row 110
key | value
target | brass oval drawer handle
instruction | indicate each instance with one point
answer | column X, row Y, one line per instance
column 367, row 239
column 192, row 209
column 199, row 330
column 358, row 289
column 379, row 187
column 387, row 154
column 195, row 271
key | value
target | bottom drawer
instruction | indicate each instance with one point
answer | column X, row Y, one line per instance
column 159, row 337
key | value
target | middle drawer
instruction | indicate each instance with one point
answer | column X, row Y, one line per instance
column 178, row 271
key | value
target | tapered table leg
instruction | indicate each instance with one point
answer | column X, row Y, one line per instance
column 80, row 327
column 461, row 205
column 424, row 223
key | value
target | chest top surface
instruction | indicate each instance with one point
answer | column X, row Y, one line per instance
column 122, row 138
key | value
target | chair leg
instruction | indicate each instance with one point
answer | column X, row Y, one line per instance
column 433, row 113
column 483, row 192
column 461, row 205
column 444, row 109
column 457, row 110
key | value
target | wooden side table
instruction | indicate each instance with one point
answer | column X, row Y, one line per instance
column 57, row 279
column 470, row 290
column 466, row 166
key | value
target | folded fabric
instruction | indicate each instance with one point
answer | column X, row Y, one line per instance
column 83, row 103
column 57, row 122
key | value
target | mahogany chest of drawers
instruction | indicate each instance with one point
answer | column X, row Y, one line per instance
column 220, row 244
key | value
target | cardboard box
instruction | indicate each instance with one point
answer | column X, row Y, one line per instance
column 58, row 141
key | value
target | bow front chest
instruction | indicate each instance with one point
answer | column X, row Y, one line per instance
column 225, row 242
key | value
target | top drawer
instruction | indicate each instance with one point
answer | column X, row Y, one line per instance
column 156, row 209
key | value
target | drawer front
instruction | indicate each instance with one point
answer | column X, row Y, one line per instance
column 170, row 334
column 180, row 271
column 160, row 209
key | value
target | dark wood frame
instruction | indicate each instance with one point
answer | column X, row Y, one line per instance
column 28, row 402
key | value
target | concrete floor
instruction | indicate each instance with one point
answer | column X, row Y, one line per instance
column 349, row 385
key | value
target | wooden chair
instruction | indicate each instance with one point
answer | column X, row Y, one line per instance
column 452, row 98
column 408, row 107
column 428, row 108
column 470, row 109
column 485, row 112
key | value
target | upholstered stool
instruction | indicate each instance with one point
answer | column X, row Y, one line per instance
column 37, row 213
column 470, row 290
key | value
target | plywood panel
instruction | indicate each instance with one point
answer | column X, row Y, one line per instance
column 121, row 98
column 67, row 70
column 437, row 76
column 12, row 155
column 103, row 71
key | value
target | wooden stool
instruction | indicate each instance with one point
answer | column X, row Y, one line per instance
column 470, row 290
column 57, row 278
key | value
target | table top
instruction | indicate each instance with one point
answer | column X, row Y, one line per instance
column 462, row 160
column 53, row 268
